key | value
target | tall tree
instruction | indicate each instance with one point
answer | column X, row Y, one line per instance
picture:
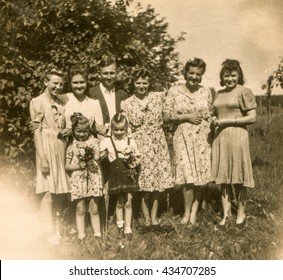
column 274, row 80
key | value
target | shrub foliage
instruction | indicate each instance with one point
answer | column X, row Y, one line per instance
column 36, row 34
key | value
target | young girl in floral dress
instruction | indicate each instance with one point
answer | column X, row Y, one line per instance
column 86, row 178
column 124, row 157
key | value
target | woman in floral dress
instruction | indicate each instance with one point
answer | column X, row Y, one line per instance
column 144, row 112
column 187, row 107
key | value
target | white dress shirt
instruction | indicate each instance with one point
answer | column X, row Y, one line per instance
column 110, row 100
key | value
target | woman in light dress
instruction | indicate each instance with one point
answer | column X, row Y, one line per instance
column 79, row 102
column 48, row 119
column 235, row 109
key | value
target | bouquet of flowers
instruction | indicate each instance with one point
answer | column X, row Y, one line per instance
column 129, row 157
column 87, row 155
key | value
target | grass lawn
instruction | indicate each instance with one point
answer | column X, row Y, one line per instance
column 261, row 239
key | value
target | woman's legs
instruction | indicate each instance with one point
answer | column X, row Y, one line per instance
column 80, row 218
column 241, row 193
column 145, row 207
column 150, row 215
column 195, row 204
column 94, row 216
column 188, row 195
column 128, row 213
column 192, row 197
column 226, row 196
column 154, row 209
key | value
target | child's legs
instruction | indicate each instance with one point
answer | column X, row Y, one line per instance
column 80, row 218
column 145, row 207
column 46, row 208
column 94, row 215
column 154, row 208
column 128, row 212
column 119, row 210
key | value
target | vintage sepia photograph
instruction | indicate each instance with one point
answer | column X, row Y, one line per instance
column 141, row 130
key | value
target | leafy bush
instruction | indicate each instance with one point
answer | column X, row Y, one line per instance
column 44, row 33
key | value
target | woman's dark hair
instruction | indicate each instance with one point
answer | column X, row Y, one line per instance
column 118, row 119
column 139, row 73
column 136, row 74
column 231, row 65
column 77, row 70
column 195, row 62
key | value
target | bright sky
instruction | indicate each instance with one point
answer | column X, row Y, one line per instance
column 248, row 30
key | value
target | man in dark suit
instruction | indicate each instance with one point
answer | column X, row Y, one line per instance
column 105, row 92
column 110, row 102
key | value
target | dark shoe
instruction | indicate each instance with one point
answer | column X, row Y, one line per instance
column 144, row 229
column 223, row 223
column 191, row 226
column 242, row 224
column 128, row 236
column 120, row 232
column 156, row 227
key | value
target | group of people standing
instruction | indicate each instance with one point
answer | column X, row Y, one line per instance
column 95, row 141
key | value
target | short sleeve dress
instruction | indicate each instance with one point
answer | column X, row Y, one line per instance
column 191, row 143
column 231, row 161
column 146, row 122
column 50, row 115
column 85, row 183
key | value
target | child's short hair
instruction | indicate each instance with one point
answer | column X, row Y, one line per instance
column 79, row 121
column 118, row 119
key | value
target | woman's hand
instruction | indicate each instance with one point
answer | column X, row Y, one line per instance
column 214, row 121
column 101, row 129
column 44, row 166
column 82, row 164
column 33, row 126
column 223, row 122
column 195, row 118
